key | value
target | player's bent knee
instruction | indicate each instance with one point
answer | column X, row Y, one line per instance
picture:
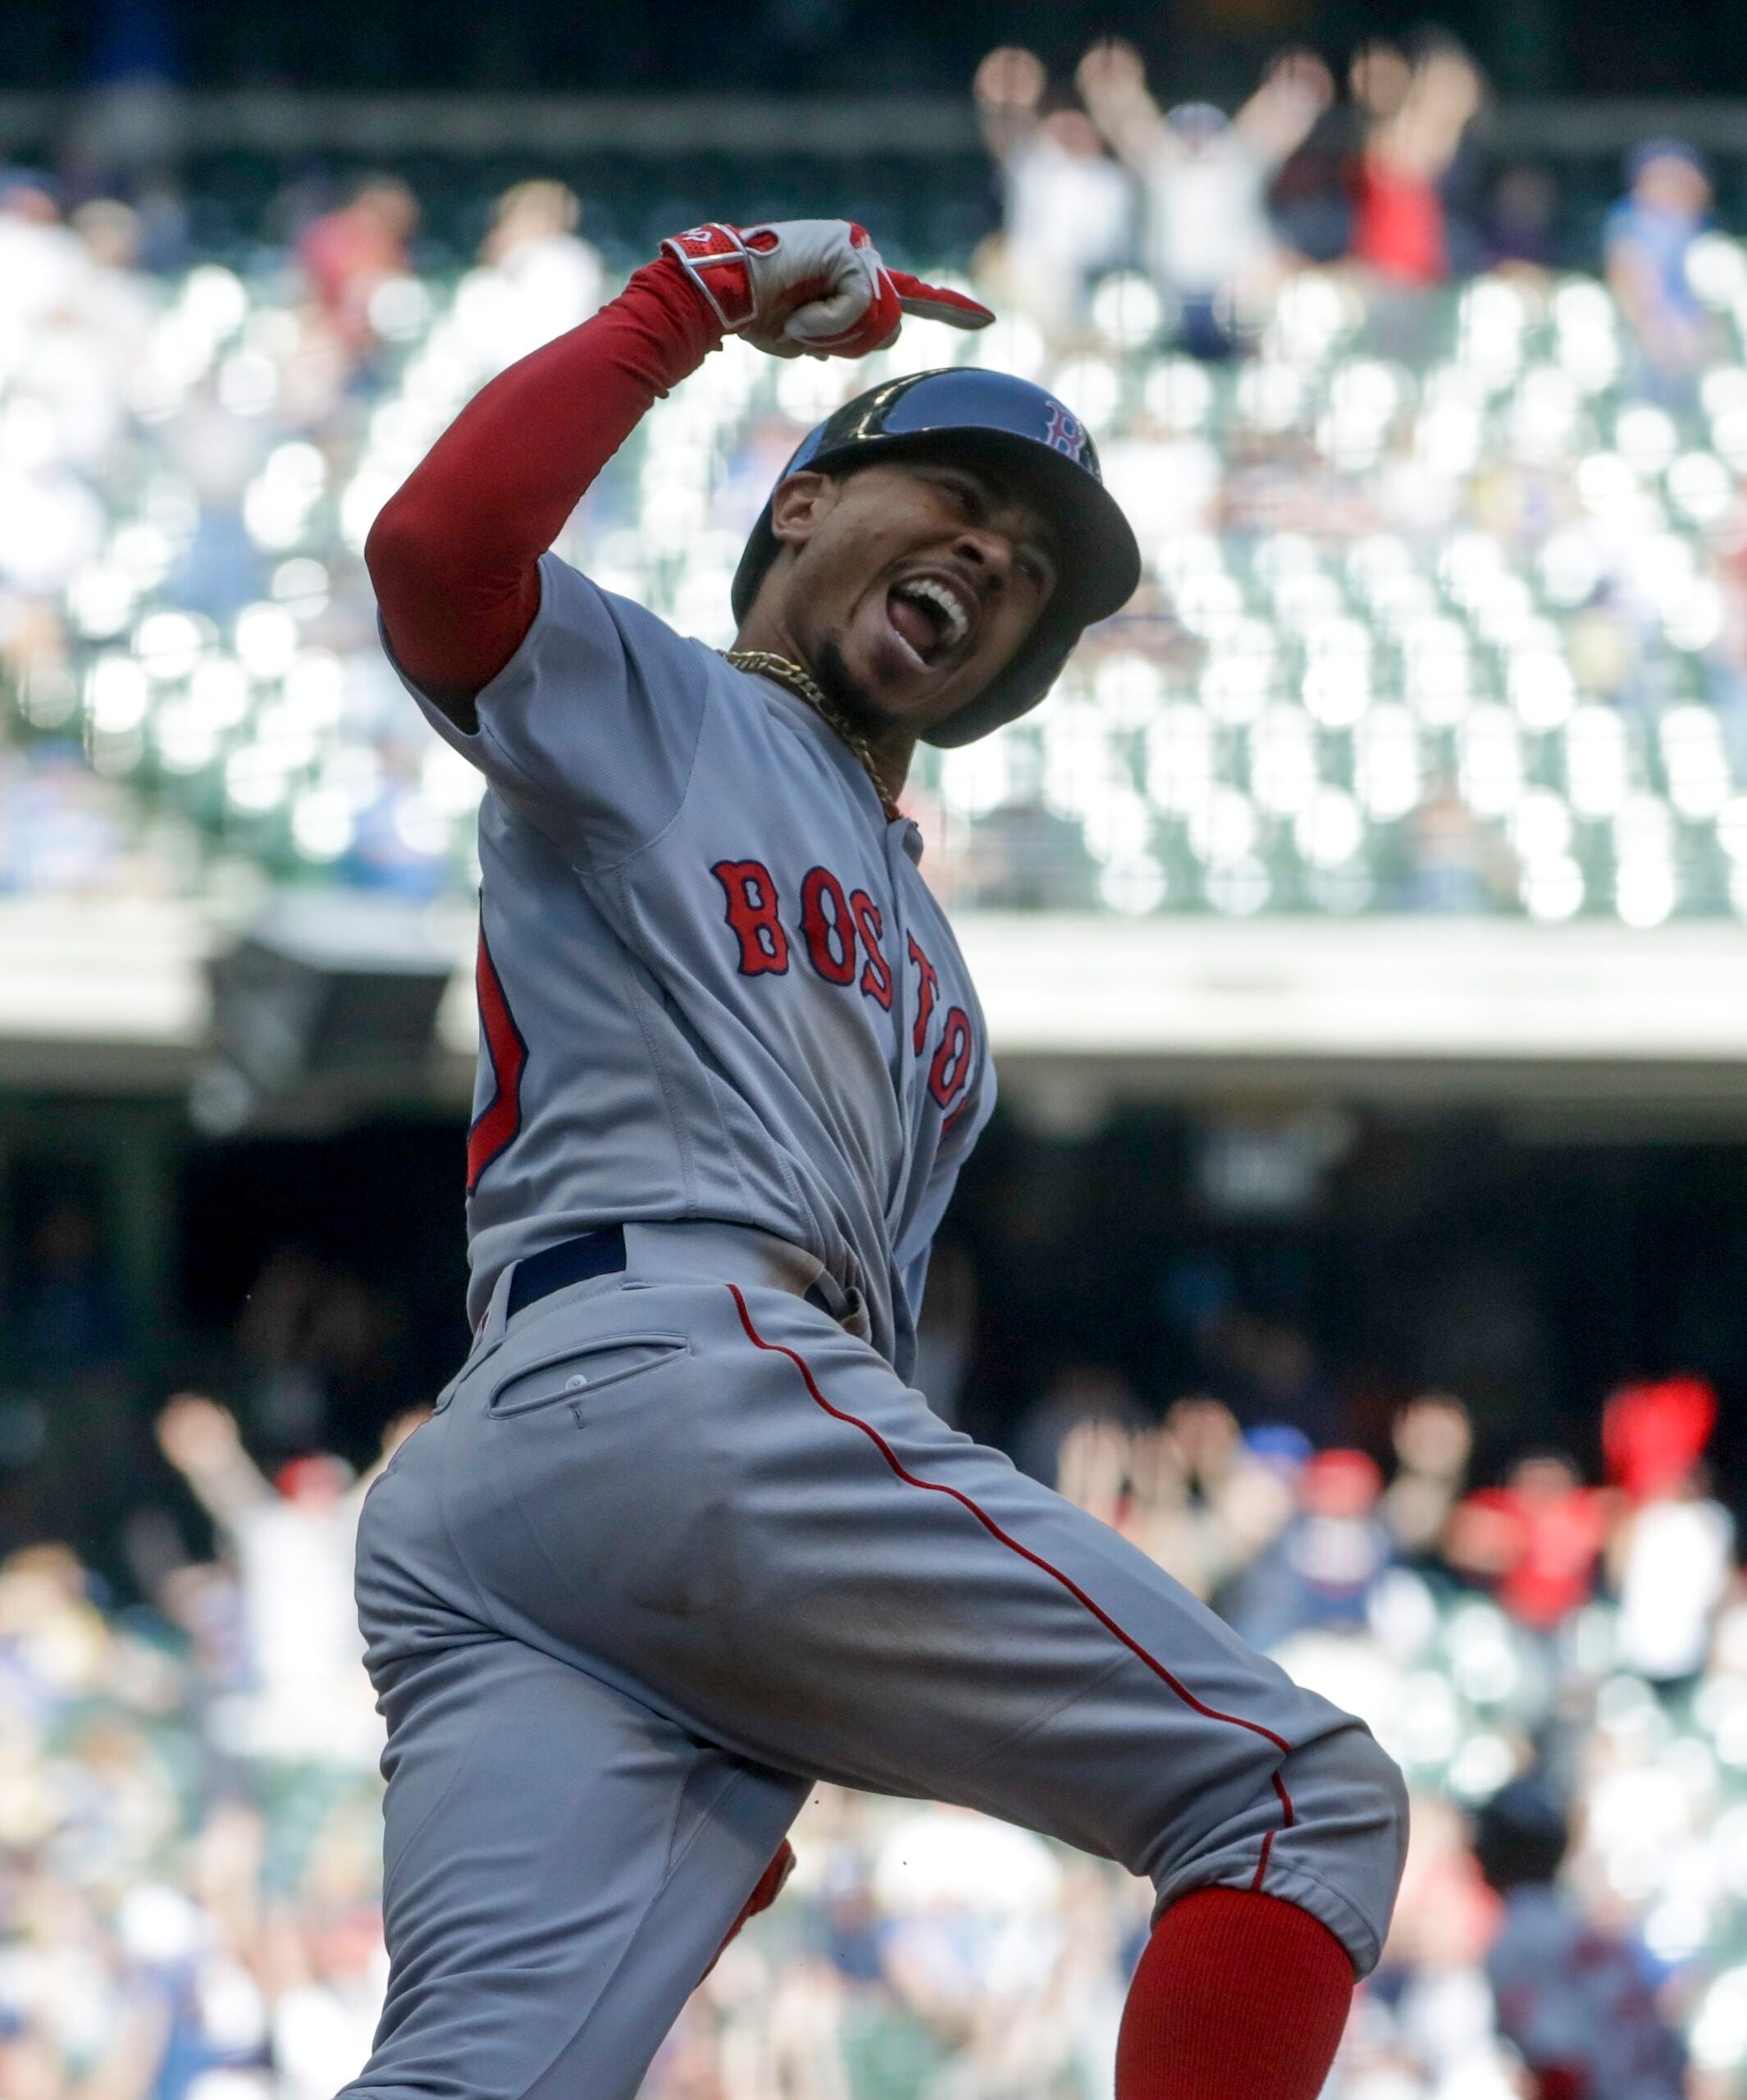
column 1379, row 1791
column 1348, row 1834
column 1325, row 1829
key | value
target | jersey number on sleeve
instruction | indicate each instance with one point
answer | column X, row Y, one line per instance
column 506, row 1052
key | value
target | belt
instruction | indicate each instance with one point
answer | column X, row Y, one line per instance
column 598, row 1254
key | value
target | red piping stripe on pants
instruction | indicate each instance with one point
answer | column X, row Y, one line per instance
column 1037, row 1560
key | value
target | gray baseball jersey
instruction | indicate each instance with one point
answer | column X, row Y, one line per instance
column 713, row 984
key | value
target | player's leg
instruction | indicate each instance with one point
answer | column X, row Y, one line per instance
column 796, row 1559
column 1237, row 1995
column 561, row 1865
column 1272, row 1825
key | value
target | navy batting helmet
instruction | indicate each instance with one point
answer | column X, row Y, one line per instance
column 1033, row 440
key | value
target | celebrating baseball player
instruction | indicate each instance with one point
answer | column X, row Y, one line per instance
column 681, row 1539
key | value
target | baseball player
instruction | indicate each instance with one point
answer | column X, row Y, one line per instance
column 680, row 1539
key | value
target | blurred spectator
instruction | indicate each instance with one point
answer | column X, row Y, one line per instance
column 1671, row 1554
column 1066, row 206
column 293, row 1541
column 1416, row 113
column 348, row 253
column 1320, row 1572
column 1646, row 238
column 1577, row 2002
column 327, row 1971
column 110, row 232
column 38, row 255
column 1521, row 222
column 1674, row 1559
column 1423, row 2028
column 551, row 278
column 1654, row 1433
column 1446, row 851
column 1202, row 1499
column 1092, row 1468
column 1537, row 1539
column 1212, row 251
column 1433, row 1440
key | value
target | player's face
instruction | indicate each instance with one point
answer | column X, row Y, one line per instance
column 912, row 585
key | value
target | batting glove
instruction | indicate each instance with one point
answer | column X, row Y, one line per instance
column 812, row 286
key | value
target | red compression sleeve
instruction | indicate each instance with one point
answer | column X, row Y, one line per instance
column 1237, row 1996
column 455, row 553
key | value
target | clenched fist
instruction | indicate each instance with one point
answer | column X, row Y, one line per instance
column 816, row 286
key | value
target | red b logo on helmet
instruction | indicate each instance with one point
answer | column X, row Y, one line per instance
column 1064, row 433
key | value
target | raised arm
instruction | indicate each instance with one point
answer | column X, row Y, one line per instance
column 1112, row 82
column 1422, row 136
column 1008, row 88
column 202, row 1441
column 455, row 554
column 1279, row 117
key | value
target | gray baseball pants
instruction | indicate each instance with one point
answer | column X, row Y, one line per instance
column 676, row 1546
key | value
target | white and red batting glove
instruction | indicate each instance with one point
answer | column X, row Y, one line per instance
column 815, row 287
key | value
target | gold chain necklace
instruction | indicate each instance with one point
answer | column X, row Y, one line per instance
column 801, row 682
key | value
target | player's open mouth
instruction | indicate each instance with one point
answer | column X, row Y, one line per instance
column 931, row 616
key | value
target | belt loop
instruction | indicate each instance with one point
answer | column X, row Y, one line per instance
column 497, row 1313
column 829, row 1294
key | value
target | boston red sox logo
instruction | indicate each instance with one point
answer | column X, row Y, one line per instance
column 1064, row 433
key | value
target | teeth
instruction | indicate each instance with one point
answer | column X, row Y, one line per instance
column 924, row 586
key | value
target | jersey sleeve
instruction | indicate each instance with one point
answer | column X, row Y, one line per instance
column 591, row 728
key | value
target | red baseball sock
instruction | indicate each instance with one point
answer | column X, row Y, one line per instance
column 1237, row 1997
column 769, row 1887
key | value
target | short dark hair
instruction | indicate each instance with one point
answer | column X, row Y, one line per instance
column 1521, row 1836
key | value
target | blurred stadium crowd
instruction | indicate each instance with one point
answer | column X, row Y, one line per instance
column 188, row 1817
column 1445, row 608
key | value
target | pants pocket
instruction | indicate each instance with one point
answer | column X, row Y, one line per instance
column 578, row 1370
